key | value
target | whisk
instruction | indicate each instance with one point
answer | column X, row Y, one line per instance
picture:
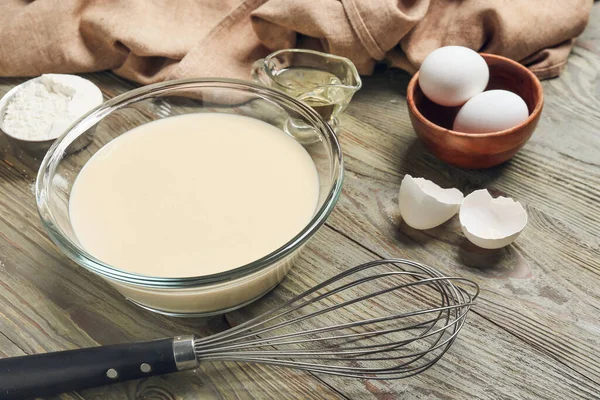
column 386, row 319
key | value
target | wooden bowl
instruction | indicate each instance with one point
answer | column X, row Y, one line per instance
column 433, row 123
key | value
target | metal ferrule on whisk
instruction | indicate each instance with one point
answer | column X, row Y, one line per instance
column 183, row 352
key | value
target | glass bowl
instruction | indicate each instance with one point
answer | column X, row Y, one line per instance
column 199, row 295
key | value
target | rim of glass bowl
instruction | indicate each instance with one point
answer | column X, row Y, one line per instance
column 83, row 258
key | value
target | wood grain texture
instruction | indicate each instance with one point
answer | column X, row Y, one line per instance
column 534, row 334
column 485, row 362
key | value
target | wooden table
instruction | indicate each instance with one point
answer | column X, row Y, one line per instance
column 534, row 334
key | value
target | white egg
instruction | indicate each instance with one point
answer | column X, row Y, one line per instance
column 451, row 75
column 425, row 205
column 491, row 223
column 491, row 111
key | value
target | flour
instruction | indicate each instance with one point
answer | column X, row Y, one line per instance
column 43, row 108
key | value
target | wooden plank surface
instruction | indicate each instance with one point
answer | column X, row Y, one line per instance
column 534, row 334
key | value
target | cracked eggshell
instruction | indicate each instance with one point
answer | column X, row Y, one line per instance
column 425, row 205
column 491, row 223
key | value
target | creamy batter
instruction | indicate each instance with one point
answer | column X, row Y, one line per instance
column 193, row 195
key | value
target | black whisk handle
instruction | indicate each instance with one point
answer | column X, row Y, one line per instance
column 65, row 371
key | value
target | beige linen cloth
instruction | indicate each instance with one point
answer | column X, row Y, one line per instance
column 153, row 40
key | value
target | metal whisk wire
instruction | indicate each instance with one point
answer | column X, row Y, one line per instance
column 385, row 319
column 297, row 334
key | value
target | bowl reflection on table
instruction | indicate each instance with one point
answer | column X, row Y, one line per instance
column 204, row 294
column 433, row 123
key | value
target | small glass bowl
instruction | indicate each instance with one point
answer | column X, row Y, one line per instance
column 199, row 295
column 327, row 98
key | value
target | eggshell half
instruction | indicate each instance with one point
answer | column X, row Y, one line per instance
column 425, row 205
column 491, row 223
